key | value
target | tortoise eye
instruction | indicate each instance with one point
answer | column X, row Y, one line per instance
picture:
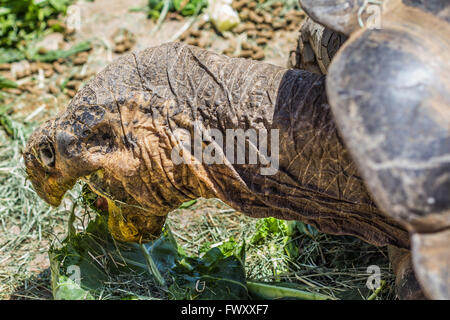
column 47, row 155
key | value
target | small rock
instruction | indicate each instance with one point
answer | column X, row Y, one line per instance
column 51, row 42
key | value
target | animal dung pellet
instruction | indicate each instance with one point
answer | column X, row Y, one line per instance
column 5, row 66
column 81, row 58
column 261, row 41
column 229, row 51
column 119, row 48
column 243, row 15
column 34, row 67
column 263, row 26
column 277, row 12
column 246, row 46
column 195, row 33
column 58, row 67
column 267, row 17
column 203, row 42
column 239, row 28
column 259, row 55
column 53, row 89
column 246, row 53
column 75, row 85
column 71, row 93
column 123, row 40
column 15, row 91
column 48, row 73
column 42, row 50
column 251, row 33
column 265, row 34
column 128, row 44
column 185, row 35
column 79, row 76
column 192, row 41
column 276, row 5
column 292, row 27
column 239, row 4
column 278, row 25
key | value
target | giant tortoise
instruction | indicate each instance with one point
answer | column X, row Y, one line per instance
column 362, row 151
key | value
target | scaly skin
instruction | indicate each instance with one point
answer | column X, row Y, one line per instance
column 118, row 134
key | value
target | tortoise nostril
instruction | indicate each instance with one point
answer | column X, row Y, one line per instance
column 47, row 155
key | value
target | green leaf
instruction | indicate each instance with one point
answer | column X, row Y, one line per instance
column 270, row 227
column 214, row 276
column 6, row 83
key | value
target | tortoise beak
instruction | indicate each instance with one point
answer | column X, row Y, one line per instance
column 52, row 189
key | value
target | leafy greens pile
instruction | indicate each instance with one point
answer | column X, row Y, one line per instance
column 86, row 263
